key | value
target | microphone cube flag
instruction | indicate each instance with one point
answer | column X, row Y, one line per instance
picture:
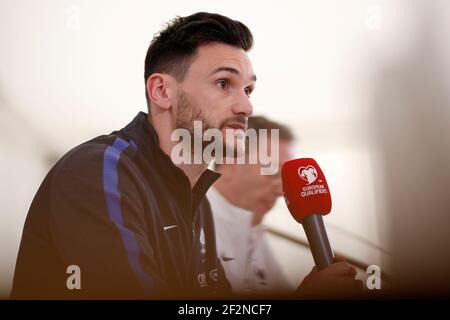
column 305, row 188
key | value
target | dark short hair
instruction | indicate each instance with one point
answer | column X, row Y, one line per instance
column 172, row 49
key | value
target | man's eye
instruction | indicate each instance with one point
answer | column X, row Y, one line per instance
column 222, row 84
column 248, row 91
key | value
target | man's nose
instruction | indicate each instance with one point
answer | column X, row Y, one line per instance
column 243, row 106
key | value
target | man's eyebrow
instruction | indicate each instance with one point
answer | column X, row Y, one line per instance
column 232, row 70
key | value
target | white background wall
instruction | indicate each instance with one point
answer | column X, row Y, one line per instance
column 73, row 69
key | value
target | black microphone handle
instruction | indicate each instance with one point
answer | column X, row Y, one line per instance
column 318, row 241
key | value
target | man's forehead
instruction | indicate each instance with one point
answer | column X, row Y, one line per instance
column 215, row 56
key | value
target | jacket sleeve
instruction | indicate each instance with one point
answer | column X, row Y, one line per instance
column 97, row 222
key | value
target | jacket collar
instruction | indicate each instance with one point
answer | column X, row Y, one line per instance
column 174, row 178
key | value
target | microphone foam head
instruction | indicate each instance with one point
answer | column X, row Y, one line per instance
column 305, row 188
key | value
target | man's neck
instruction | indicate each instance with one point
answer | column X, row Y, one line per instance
column 232, row 193
column 193, row 171
column 236, row 197
column 164, row 131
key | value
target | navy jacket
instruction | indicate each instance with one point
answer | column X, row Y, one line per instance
column 119, row 209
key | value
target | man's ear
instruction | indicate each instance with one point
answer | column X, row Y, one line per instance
column 161, row 90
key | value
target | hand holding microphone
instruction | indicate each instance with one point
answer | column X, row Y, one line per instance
column 308, row 198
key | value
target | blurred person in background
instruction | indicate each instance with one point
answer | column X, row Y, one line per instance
column 239, row 202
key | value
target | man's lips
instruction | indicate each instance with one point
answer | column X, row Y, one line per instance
column 236, row 126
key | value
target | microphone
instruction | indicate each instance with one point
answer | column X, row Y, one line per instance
column 308, row 198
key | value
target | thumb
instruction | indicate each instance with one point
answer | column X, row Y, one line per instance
column 340, row 259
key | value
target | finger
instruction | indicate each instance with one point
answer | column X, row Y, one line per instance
column 359, row 284
column 338, row 269
column 313, row 271
column 346, row 284
column 352, row 272
column 340, row 259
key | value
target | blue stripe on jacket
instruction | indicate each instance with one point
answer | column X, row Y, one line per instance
column 113, row 196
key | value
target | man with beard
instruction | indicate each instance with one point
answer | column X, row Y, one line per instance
column 116, row 217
